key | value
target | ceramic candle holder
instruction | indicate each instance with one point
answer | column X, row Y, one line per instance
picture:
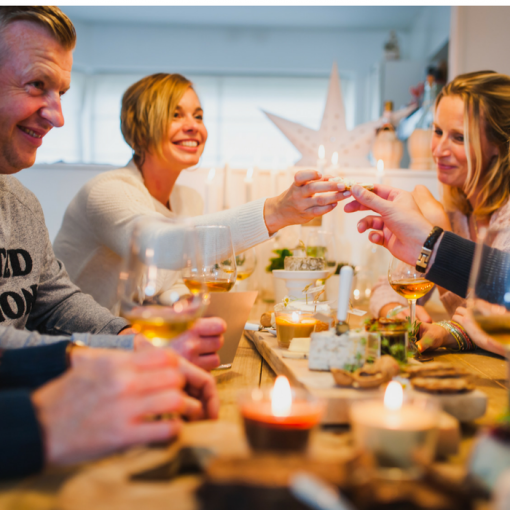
column 400, row 439
column 269, row 430
column 293, row 324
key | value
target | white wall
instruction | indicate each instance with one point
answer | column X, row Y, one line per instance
column 104, row 47
column 480, row 40
column 430, row 32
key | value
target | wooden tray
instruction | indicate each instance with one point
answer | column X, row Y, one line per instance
column 464, row 407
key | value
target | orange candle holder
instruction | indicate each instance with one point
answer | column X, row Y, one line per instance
column 293, row 324
column 285, row 429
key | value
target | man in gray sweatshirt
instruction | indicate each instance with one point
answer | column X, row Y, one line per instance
column 38, row 301
column 60, row 403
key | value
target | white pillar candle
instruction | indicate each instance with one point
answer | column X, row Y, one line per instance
column 394, row 431
column 379, row 173
column 334, row 163
column 248, row 185
column 321, row 162
column 210, row 195
column 344, row 292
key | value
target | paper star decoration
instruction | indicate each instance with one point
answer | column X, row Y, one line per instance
column 352, row 147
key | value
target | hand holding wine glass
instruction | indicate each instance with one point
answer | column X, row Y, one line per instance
column 409, row 283
column 147, row 299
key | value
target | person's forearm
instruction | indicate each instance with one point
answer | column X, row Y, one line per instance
column 31, row 367
column 21, row 442
column 450, row 263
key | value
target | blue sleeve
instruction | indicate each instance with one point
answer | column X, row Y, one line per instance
column 21, row 440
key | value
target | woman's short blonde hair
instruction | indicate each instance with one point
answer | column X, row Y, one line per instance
column 486, row 96
column 147, row 110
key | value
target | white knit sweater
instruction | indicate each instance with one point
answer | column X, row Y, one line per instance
column 97, row 226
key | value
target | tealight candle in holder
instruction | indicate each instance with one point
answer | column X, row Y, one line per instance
column 280, row 418
column 293, row 324
column 400, row 433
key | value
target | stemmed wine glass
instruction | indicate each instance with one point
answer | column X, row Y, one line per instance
column 409, row 283
column 217, row 270
column 320, row 243
column 160, row 249
column 489, row 290
column 246, row 263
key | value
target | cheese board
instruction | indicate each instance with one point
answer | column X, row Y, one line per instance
column 464, row 407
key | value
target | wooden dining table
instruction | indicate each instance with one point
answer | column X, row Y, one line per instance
column 249, row 370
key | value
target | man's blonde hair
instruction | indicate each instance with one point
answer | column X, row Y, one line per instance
column 486, row 96
column 147, row 110
column 52, row 18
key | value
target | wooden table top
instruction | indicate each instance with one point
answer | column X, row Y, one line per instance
column 249, row 370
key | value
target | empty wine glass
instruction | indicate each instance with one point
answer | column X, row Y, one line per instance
column 218, row 270
column 160, row 249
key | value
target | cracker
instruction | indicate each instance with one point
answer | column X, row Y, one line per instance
column 442, row 386
column 349, row 183
column 436, row 369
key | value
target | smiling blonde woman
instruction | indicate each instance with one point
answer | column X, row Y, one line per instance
column 162, row 121
column 471, row 149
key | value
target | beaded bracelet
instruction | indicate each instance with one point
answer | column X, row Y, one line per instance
column 464, row 343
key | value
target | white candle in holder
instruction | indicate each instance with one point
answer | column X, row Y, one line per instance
column 399, row 433
column 226, row 186
column 321, row 162
column 334, row 162
column 248, row 185
column 379, row 174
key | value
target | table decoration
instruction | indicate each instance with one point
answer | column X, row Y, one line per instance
column 400, row 433
column 293, row 323
column 279, row 419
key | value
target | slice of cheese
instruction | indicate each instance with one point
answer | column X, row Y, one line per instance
column 301, row 345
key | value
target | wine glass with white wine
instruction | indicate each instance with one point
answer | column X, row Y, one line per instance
column 246, row 263
column 409, row 283
column 217, row 270
column 149, row 299
column 489, row 290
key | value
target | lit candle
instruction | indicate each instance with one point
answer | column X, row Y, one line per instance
column 248, row 184
column 397, row 433
column 296, row 324
column 226, row 186
column 334, row 162
column 210, row 195
column 379, row 174
column 321, row 162
column 279, row 418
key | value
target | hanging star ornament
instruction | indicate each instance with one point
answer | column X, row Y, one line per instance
column 352, row 146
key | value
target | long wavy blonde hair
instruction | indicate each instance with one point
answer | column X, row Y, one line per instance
column 486, row 96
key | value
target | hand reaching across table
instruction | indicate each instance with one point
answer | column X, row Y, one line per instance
column 309, row 196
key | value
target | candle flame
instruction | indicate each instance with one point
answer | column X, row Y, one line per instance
column 295, row 317
column 394, row 396
column 249, row 175
column 356, row 293
column 322, row 152
column 380, row 166
column 334, row 158
column 211, row 174
column 281, row 397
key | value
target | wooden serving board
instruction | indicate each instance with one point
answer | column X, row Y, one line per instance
column 319, row 384
column 464, row 407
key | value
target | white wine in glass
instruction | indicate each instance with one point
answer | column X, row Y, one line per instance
column 409, row 283
column 246, row 263
column 217, row 271
column 149, row 301
column 489, row 290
